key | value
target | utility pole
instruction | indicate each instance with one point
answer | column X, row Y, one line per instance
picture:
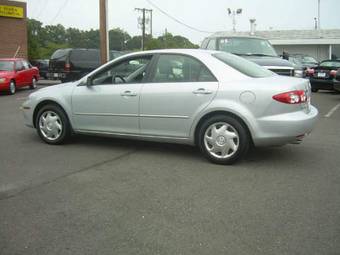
column 104, row 44
column 142, row 22
column 319, row 14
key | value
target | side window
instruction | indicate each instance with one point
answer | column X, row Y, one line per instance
column 212, row 44
column 131, row 70
column 26, row 65
column 178, row 68
column 19, row 66
column 205, row 43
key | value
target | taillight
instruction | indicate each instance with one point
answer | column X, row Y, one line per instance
column 291, row 97
column 310, row 71
column 67, row 67
column 333, row 73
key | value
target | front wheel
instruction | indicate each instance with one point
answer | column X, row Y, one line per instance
column 52, row 125
column 223, row 139
column 314, row 90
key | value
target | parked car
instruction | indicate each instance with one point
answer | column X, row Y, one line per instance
column 304, row 62
column 337, row 81
column 16, row 73
column 323, row 76
column 255, row 49
column 73, row 64
column 42, row 65
column 218, row 101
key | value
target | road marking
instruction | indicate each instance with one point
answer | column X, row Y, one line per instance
column 329, row 114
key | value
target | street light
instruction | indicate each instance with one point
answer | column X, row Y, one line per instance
column 232, row 14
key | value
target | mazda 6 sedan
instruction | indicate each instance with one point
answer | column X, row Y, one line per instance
column 217, row 101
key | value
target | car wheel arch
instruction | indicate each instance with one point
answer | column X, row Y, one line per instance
column 221, row 112
column 44, row 103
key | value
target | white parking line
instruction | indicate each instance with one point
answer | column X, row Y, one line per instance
column 329, row 114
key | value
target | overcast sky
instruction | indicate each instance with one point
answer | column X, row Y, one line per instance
column 205, row 15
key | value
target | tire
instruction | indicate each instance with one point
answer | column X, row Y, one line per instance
column 315, row 90
column 12, row 88
column 56, row 128
column 34, row 83
column 221, row 147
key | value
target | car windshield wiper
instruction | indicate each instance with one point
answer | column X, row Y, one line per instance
column 260, row 55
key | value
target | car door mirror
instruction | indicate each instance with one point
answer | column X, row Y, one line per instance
column 89, row 81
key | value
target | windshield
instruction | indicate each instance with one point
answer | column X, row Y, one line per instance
column 330, row 64
column 247, row 46
column 305, row 59
column 244, row 66
column 6, row 65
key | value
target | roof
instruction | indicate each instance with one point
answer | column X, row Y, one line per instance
column 277, row 37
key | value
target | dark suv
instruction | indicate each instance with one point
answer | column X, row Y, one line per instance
column 73, row 64
column 255, row 49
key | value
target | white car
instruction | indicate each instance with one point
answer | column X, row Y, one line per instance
column 218, row 101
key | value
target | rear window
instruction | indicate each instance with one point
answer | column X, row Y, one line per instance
column 60, row 54
column 244, row 66
column 335, row 64
column 85, row 55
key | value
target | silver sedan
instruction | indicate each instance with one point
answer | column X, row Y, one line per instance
column 222, row 103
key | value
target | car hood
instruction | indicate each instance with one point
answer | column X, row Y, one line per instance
column 269, row 61
column 6, row 73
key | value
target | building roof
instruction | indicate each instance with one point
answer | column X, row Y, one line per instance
column 277, row 37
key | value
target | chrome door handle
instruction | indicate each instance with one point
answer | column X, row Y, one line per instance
column 128, row 93
column 202, row 91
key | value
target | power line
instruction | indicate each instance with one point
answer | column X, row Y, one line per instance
column 41, row 10
column 59, row 11
column 177, row 20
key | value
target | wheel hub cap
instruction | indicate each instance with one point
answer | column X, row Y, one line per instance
column 50, row 125
column 221, row 140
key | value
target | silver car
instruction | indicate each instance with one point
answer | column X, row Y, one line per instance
column 220, row 102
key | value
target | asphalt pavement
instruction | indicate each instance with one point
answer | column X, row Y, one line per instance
column 112, row 196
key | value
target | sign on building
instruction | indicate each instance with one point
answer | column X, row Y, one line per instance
column 11, row 11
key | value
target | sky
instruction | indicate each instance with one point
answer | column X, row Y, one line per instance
column 210, row 16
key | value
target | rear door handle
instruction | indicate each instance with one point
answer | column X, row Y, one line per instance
column 202, row 91
column 128, row 93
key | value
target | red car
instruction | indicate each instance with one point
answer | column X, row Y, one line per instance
column 16, row 73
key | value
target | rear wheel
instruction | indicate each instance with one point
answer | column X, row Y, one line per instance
column 52, row 125
column 34, row 83
column 223, row 139
column 12, row 88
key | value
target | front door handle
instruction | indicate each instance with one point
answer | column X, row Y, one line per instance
column 128, row 93
column 202, row 91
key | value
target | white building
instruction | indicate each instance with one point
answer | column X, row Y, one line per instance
column 320, row 44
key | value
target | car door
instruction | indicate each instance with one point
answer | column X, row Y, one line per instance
column 180, row 87
column 109, row 103
column 27, row 73
column 20, row 79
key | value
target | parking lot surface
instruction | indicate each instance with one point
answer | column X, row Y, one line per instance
column 112, row 196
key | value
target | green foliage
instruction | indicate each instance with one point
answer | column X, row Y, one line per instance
column 44, row 40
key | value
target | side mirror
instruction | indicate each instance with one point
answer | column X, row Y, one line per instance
column 89, row 81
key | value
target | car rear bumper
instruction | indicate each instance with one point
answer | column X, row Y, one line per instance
column 285, row 128
column 337, row 86
column 322, row 84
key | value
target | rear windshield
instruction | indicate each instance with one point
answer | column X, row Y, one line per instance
column 60, row 54
column 244, row 66
column 6, row 65
column 335, row 64
column 85, row 55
